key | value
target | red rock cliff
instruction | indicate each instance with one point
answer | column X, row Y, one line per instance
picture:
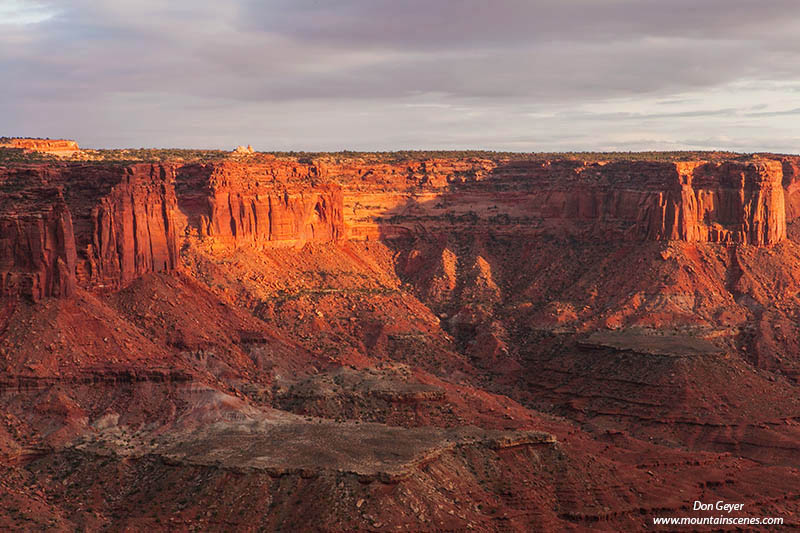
column 90, row 225
column 690, row 201
column 695, row 201
column 102, row 226
column 133, row 228
column 48, row 146
column 37, row 249
column 272, row 204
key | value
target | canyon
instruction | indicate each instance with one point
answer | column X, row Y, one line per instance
column 496, row 342
column 131, row 226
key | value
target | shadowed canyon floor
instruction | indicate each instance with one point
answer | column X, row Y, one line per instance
column 397, row 343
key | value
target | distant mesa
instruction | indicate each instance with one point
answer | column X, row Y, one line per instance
column 243, row 150
column 59, row 147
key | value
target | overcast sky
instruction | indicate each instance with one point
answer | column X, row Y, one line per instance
column 520, row 75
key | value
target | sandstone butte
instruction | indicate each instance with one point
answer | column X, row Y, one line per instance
column 387, row 343
column 59, row 147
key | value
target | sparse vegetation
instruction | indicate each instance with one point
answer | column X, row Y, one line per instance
column 131, row 155
column 156, row 154
column 421, row 155
column 18, row 155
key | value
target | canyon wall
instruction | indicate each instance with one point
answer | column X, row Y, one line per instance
column 737, row 201
column 791, row 185
column 101, row 226
column 132, row 229
column 94, row 226
column 37, row 249
column 278, row 203
column 741, row 202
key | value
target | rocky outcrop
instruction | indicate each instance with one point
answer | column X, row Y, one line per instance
column 85, row 225
column 694, row 201
column 62, row 147
column 133, row 228
column 243, row 150
column 37, row 250
column 728, row 202
column 275, row 204
column 791, row 185
column 102, row 226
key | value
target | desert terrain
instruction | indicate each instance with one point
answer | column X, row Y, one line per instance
column 448, row 341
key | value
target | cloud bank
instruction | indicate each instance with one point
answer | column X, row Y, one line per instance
column 523, row 75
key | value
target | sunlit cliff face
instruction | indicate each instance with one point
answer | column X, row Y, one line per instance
column 104, row 226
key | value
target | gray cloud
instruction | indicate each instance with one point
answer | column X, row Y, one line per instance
column 467, row 23
column 784, row 112
column 381, row 74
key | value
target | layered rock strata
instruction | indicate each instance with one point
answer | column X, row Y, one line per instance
column 87, row 225
column 61, row 147
column 133, row 228
column 103, row 226
column 278, row 203
column 37, row 250
column 738, row 202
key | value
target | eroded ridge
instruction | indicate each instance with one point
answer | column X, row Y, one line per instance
column 103, row 226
